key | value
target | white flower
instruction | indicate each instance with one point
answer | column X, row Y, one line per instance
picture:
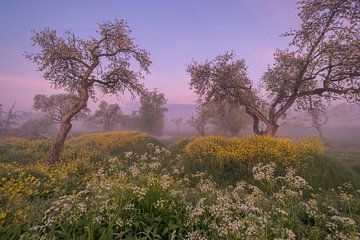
column 264, row 172
column 82, row 207
column 160, row 204
column 344, row 220
column 128, row 154
column 140, row 192
column 98, row 220
column 134, row 171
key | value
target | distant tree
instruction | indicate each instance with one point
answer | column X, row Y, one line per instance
column 58, row 106
column 322, row 62
column 152, row 112
column 9, row 118
column 229, row 118
column 80, row 66
column 318, row 122
column 130, row 121
column 318, row 115
column 200, row 119
column 177, row 122
column 108, row 115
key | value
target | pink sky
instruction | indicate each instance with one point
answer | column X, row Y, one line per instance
column 174, row 32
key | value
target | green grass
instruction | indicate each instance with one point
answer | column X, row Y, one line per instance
column 345, row 150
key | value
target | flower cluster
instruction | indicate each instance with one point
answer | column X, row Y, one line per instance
column 250, row 150
column 153, row 202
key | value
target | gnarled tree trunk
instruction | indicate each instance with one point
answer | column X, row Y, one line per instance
column 65, row 126
column 271, row 129
column 56, row 148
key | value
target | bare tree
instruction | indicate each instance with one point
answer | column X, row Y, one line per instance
column 177, row 122
column 318, row 115
column 152, row 112
column 200, row 119
column 108, row 115
column 322, row 61
column 80, row 66
column 9, row 118
column 57, row 106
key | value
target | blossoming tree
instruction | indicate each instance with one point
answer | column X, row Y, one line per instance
column 82, row 66
column 321, row 63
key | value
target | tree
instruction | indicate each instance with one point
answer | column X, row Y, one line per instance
column 322, row 62
column 318, row 115
column 152, row 112
column 177, row 122
column 108, row 115
column 80, row 66
column 318, row 121
column 9, row 118
column 229, row 118
column 57, row 106
column 200, row 119
column 130, row 121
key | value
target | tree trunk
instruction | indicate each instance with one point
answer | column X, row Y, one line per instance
column 271, row 129
column 65, row 126
column 319, row 133
column 55, row 151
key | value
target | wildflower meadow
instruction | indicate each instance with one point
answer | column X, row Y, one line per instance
column 93, row 193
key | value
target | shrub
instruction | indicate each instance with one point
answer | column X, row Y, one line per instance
column 219, row 151
column 179, row 145
column 26, row 189
column 115, row 143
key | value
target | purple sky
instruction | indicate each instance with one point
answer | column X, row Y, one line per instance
column 174, row 32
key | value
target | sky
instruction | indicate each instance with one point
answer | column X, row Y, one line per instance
column 175, row 32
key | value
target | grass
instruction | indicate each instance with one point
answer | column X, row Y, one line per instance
column 126, row 185
column 115, row 143
column 346, row 151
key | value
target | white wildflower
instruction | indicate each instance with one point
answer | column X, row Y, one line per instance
column 344, row 220
column 264, row 172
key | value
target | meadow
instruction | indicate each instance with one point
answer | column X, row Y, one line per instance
column 128, row 185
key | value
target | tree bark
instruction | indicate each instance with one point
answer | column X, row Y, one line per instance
column 65, row 126
column 271, row 129
column 55, row 151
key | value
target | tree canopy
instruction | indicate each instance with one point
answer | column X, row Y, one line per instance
column 106, row 62
column 322, row 63
column 58, row 105
column 108, row 115
column 152, row 112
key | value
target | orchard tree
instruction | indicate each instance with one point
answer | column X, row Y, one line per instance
column 130, row 121
column 229, row 118
column 108, row 115
column 57, row 106
column 322, row 62
column 82, row 66
column 200, row 119
column 152, row 112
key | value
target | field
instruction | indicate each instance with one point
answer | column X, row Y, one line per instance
column 128, row 185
